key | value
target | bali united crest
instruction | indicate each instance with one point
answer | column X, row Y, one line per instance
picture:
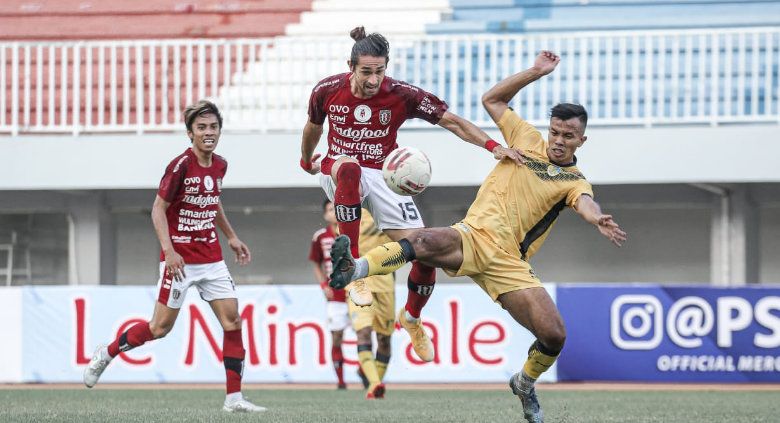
column 384, row 116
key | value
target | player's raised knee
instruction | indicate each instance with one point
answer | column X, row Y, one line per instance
column 429, row 242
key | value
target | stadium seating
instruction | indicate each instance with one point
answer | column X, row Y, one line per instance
column 501, row 16
column 22, row 20
column 146, row 19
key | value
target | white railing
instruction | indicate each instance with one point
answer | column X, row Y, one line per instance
column 623, row 78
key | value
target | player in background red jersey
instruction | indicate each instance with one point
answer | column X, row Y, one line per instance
column 338, row 313
column 185, row 214
column 365, row 109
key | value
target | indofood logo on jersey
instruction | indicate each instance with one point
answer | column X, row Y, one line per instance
column 201, row 200
column 363, row 133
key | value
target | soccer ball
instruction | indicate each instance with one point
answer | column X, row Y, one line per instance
column 407, row 171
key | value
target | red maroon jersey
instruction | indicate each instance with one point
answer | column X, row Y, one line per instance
column 366, row 129
column 193, row 191
column 319, row 253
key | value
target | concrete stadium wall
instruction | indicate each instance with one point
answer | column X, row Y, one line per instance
column 611, row 156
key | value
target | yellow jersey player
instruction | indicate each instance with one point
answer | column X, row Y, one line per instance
column 507, row 223
column 378, row 317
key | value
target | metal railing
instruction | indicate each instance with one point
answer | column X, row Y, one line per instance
column 623, row 78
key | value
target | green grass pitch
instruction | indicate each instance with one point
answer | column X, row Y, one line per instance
column 320, row 405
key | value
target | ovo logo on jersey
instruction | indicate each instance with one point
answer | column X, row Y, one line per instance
column 362, row 113
column 338, row 108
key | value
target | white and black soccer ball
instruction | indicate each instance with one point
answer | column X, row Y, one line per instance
column 407, row 171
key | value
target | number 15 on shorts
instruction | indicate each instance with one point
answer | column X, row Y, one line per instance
column 408, row 211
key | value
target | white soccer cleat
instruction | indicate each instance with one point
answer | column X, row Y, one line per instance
column 96, row 366
column 360, row 294
column 242, row 406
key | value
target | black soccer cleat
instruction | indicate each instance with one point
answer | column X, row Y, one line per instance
column 343, row 263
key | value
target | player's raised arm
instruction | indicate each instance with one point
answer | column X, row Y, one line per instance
column 311, row 137
column 590, row 210
column 470, row 133
column 496, row 100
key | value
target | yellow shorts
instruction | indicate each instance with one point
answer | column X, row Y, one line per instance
column 380, row 315
column 494, row 269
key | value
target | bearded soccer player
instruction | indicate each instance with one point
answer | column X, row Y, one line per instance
column 338, row 317
column 365, row 108
column 185, row 212
column 507, row 223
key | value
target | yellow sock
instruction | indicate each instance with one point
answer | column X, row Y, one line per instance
column 381, row 365
column 385, row 259
column 368, row 366
column 537, row 362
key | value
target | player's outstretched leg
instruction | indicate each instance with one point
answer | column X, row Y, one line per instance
column 137, row 335
column 381, row 260
column 422, row 344
column 523, row 386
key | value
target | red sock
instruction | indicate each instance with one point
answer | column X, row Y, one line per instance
column 347, row 203
column 338, row 362
column 233, row 358
column 136, row 336
column 420, row 283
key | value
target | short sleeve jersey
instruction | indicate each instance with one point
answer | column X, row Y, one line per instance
column 366, row 129
column 319, row 253
column 193, row 193
column 370, row 237
column 517, row 205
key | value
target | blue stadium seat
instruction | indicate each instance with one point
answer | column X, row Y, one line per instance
column 501, row 16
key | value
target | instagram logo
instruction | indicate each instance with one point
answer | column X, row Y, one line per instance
column 636, row 322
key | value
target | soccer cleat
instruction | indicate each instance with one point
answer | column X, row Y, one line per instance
column 420, row 341
column 343, row 263
column 360, row 294
column 242, row 406
column 376, row 392
column 363, row 378
column 523, row 387
column 96, row 366
column 341, row 386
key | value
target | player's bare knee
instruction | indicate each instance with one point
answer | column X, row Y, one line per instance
column 429, row 242
column 364, row 336
column 233, row 323
column 383, row 343
column 553, row 337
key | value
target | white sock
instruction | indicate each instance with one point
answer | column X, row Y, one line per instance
column 410, row 318
column 361, row 269
column 235, row 396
